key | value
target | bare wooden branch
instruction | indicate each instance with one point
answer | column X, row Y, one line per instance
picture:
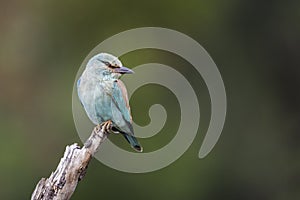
column 72, row 167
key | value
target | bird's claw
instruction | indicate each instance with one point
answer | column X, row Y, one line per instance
column 97, row 128
column 105, row 127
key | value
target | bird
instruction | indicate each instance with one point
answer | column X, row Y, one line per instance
column 104, row 96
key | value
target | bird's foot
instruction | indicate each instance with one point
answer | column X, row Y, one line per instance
column 105, row 127
column 97, row 129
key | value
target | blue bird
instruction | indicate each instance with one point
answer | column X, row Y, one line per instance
column 104, row 96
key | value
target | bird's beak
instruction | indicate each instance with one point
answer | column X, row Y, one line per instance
column 123, row 70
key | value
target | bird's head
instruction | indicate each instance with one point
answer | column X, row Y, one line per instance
column 107, row 66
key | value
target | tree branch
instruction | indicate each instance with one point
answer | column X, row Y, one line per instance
column 72, row 167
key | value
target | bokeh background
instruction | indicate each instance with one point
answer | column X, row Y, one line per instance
column 255, row 44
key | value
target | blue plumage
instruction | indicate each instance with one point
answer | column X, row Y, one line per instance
column 104, row 96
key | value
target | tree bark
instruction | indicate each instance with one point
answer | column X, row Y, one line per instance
column 72, row 167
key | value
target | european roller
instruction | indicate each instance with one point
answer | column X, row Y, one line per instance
column 104, row 96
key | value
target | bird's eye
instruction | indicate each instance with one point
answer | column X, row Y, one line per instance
column 109, row 64
column 106, row 63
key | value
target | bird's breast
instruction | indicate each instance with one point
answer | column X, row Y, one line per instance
column 95, row 95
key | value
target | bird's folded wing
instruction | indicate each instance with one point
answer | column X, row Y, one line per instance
column 120, row 107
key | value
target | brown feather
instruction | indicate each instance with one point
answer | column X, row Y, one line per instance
column 125, row 96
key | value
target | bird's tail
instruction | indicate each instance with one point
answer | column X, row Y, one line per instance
column 133, row 142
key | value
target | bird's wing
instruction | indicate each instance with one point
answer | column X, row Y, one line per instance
column 121, row 115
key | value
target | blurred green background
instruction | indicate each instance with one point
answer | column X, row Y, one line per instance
column 255, row 45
